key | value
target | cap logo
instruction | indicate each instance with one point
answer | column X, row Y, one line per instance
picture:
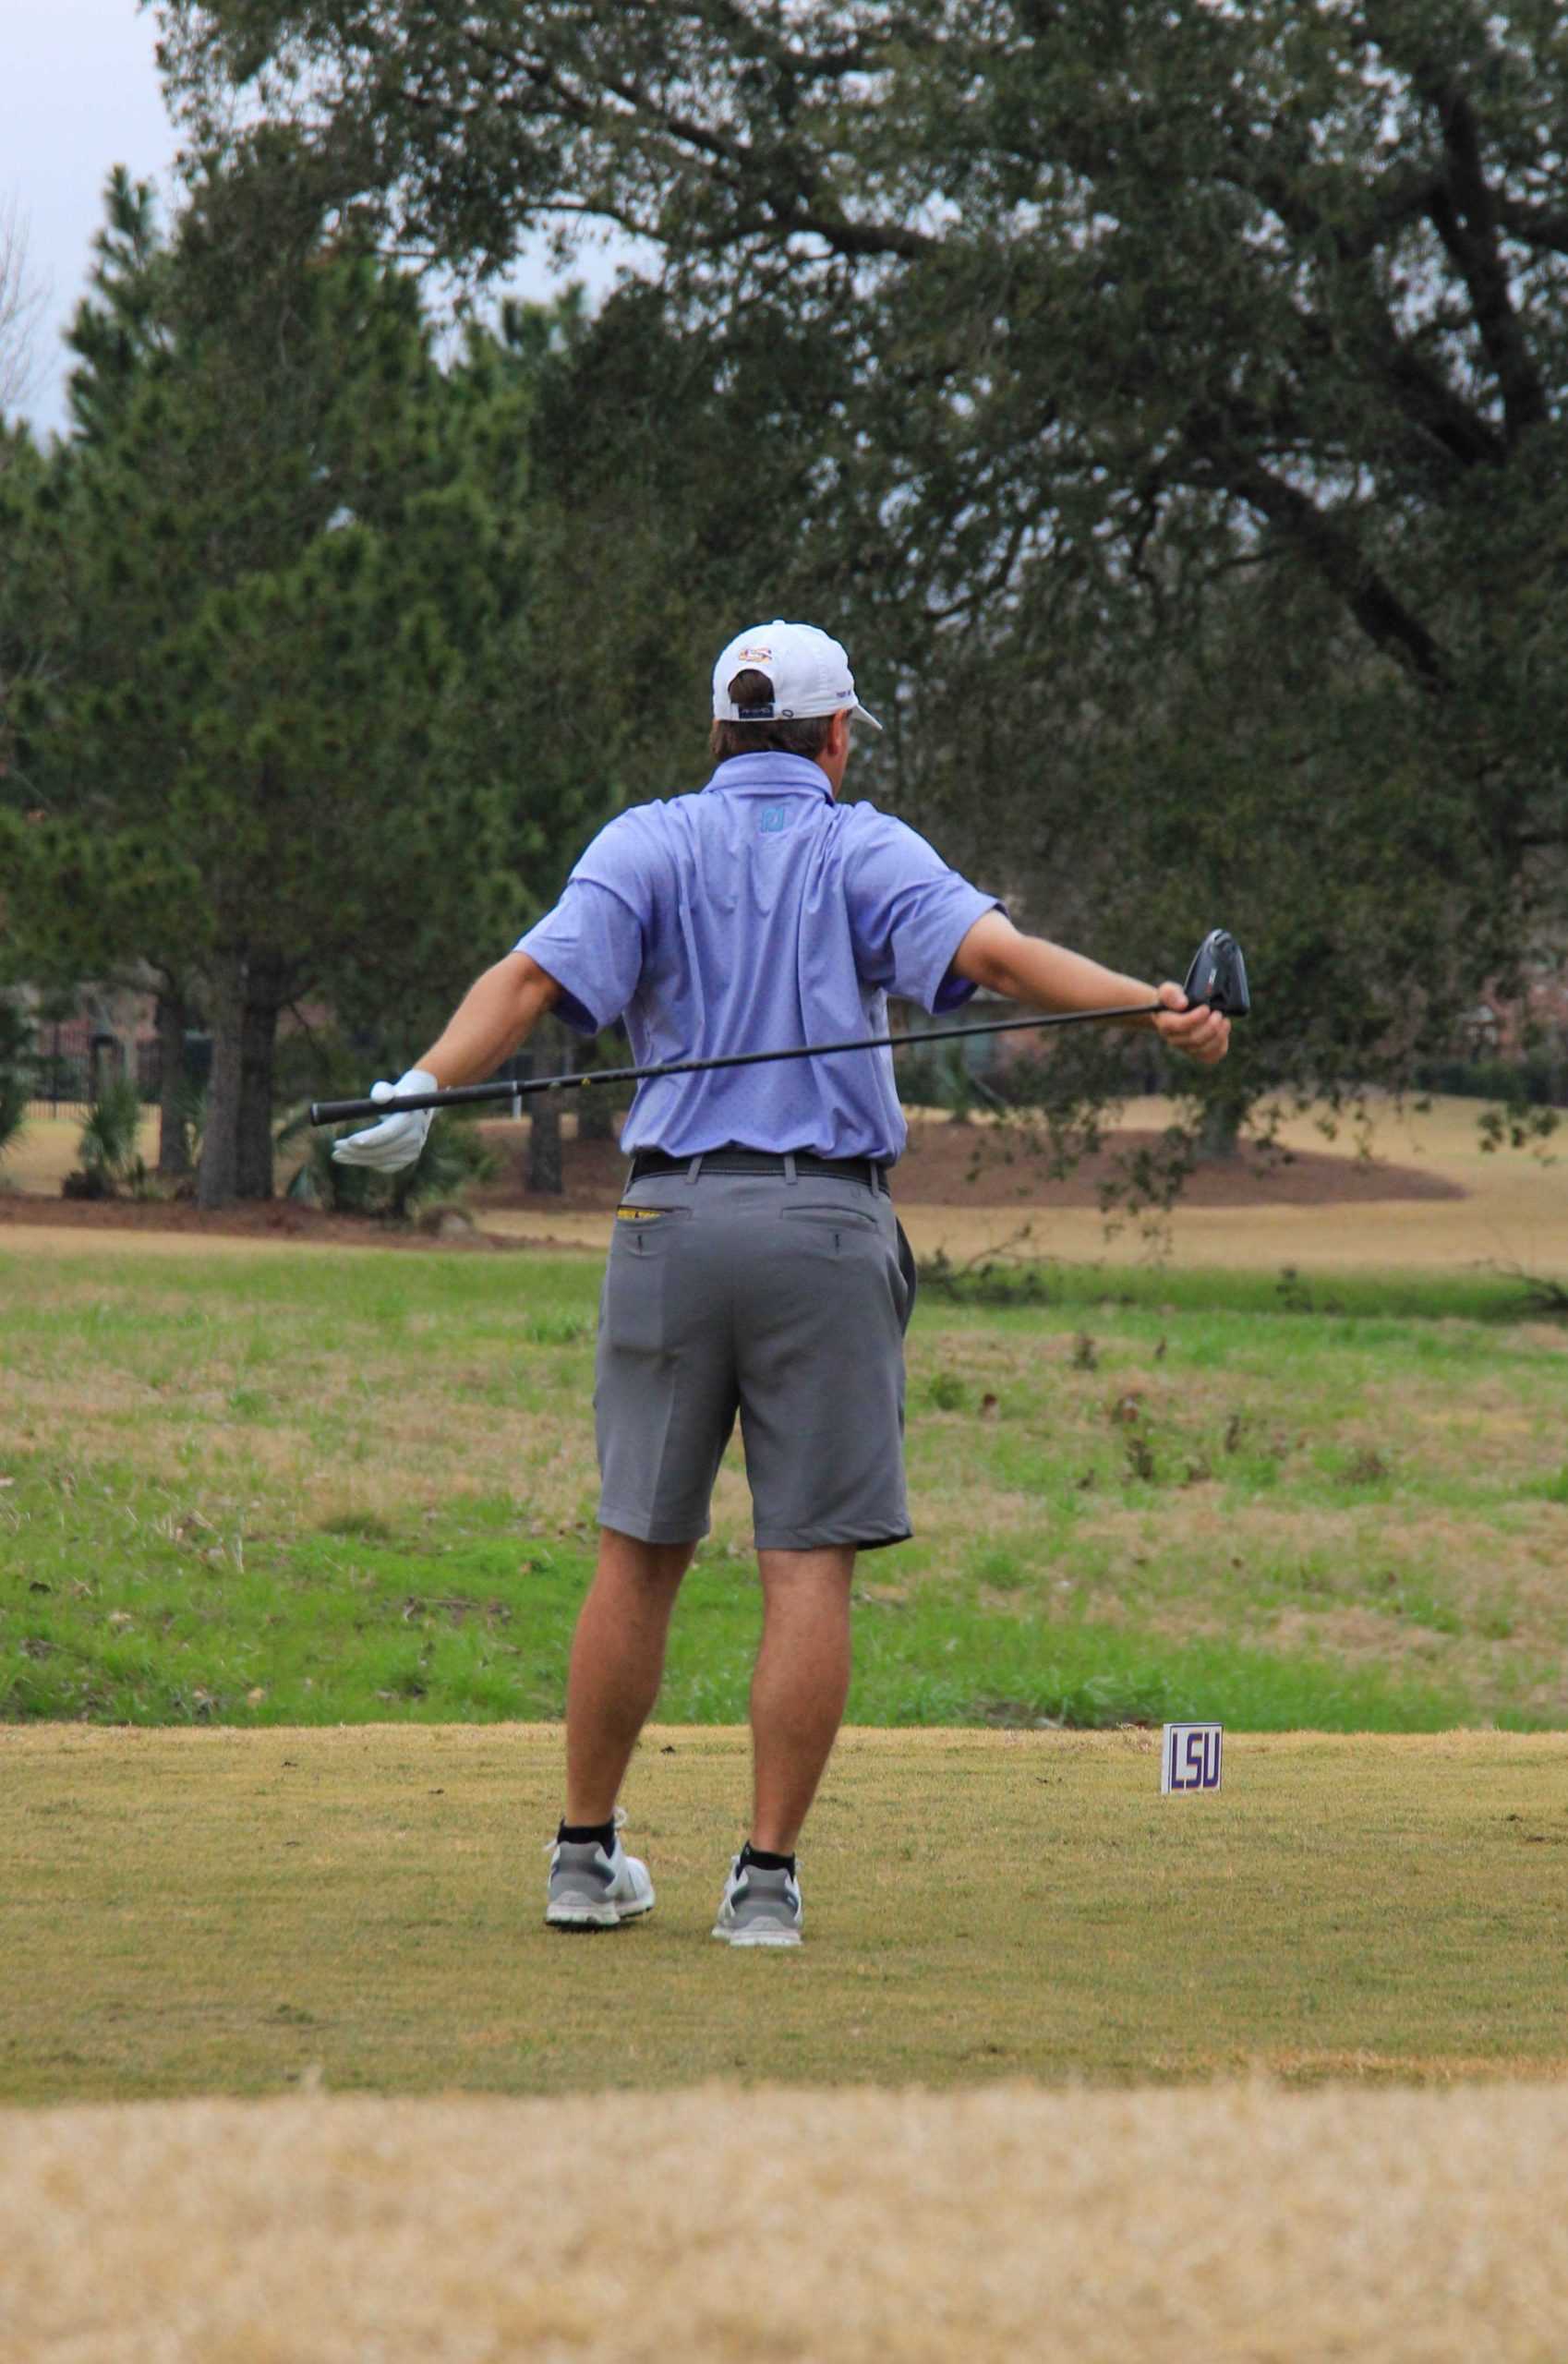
column 759, row 656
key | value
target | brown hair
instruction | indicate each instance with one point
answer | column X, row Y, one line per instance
column 805, row 735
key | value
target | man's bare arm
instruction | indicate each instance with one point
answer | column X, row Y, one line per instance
column 1046, row 976
column 495, row 1017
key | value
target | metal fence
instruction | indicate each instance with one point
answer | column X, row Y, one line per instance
column 69, row 1082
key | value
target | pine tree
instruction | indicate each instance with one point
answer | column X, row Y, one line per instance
column 283, row 546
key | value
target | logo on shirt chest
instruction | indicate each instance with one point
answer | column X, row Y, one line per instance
column 774, row 820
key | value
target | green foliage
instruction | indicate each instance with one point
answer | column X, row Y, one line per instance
column 13, row 1109
column 108, row 1146
column 16, row 1044
column 1537, row 1079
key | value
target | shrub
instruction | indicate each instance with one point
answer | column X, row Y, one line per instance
column 16, row 1043
column 108, row 1147
column 1539, row 1079
column 13, row 1107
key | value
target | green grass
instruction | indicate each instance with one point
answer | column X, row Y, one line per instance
column 240, row 1912
column 365, row 1618
column 315, row 1488
column 1473, row 1295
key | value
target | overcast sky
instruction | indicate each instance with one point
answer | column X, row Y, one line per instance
column 80, row 93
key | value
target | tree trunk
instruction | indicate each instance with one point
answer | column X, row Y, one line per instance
column 544, row 1116
column 263, row 999
column 174, row 1134
column 1219, row 1135
column 217, row 1180
column 236, row 1144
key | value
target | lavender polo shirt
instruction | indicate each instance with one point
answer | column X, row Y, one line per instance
column 757, row 916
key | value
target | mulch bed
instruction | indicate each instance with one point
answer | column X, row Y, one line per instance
column 280, row 1219
column 947, row 1166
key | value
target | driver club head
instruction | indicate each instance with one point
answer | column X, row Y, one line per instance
column 1218, row 975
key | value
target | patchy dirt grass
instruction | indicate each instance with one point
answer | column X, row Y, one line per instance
column 1275, row 1481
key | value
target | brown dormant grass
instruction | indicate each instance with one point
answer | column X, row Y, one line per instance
column 854, row 2228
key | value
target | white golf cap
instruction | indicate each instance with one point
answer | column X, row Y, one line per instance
column 809, row 672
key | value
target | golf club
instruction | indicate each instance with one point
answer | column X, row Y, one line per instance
column 1217, row 976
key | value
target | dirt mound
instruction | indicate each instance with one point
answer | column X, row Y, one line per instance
column 953, row 1166
column 989, row 1165
column 850, row 2227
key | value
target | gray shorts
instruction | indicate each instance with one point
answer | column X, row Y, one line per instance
column 783, row 1301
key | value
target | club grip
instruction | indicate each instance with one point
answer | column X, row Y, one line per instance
column 344, row 1111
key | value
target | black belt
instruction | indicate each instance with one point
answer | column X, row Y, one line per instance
column 730, row 1160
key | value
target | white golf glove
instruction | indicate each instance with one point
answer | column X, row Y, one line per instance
column 396, row 1141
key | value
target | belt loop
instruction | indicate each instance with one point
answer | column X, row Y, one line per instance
column 790, row 1167
column 695, row 1167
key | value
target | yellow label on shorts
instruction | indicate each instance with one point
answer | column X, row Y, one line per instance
column 639, row 1214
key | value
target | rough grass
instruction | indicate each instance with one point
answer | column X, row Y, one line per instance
column 312, row 1486
column 194, row 1912
column 1238, row 2224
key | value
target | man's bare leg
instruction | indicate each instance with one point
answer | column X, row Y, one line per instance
column 800, row 1685
column 617, row 1664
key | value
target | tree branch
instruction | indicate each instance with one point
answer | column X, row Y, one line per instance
column 1464, row 217
column 1533, row 224
column 1423, row 398
column 787, row 210
column 1332, row 550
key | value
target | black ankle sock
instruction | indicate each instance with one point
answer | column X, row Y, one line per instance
column 582, row 1834
column 765, row 1860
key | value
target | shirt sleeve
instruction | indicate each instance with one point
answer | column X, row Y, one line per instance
column 592, row 943
column 909, row 913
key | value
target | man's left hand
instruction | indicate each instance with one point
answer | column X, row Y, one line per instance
column 1192, row 1027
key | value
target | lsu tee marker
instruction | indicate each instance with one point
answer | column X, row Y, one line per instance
column 1190, row 1757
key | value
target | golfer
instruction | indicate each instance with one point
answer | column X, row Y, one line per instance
column 755, row 1265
